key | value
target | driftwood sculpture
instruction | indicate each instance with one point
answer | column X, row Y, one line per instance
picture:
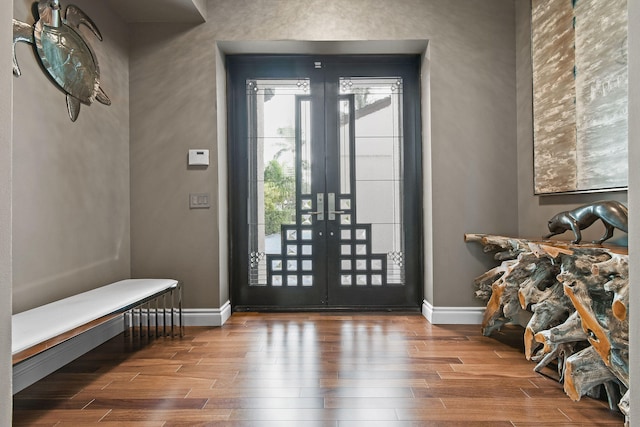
column 577, row 296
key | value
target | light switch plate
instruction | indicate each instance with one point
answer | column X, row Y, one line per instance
column 199, row 201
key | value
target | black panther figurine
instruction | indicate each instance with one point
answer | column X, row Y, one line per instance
column 613, row 215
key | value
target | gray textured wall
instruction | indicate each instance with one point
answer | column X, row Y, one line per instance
column 471, row 137
column 634, row 203
column 173, row 102
column 71, row 180
column 451, row 26
column 223, row 180
column 6, row 8
column 534, row 211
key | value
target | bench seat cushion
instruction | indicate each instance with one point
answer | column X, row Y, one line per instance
column 42, row 323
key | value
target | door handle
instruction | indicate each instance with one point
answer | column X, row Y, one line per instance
column 319, row 206
column 332, row 207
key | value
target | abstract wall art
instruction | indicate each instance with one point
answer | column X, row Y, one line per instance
column 580, row 96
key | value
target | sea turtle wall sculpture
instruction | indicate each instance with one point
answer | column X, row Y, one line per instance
column 64, row 53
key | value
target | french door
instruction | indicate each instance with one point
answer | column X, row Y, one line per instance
column 325, row 163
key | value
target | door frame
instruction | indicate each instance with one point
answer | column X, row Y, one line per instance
column 272, row 66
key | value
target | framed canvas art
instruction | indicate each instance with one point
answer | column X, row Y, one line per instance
column 580, row 96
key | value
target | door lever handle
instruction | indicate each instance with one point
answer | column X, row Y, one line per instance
column 319, row 206
column 332, row 207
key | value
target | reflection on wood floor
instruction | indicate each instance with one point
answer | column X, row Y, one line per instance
column 309, row 369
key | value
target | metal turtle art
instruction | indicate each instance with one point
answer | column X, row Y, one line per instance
column 64, row 53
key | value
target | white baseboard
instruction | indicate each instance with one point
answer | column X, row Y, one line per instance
column 452, row 315
column 190, row 316
column 43, row 364
column 207, row 316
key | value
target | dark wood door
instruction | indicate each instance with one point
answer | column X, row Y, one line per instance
column 325, row 166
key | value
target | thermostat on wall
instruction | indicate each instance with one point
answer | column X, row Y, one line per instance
column 198, row 157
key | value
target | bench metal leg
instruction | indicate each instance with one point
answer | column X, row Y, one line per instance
column 172, row 315
column 180, row 309
column 157, row 309
column 125, row 320
column 148, row 319
column 170, row 308
column 164, row 314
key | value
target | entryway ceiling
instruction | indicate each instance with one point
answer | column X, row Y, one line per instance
column 175, row 11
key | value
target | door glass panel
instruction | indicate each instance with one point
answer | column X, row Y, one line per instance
column 345, row 145
column 371, row 125
column 279, row 178
column 305, row 147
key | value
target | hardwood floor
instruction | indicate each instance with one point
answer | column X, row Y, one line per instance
column 309, row 369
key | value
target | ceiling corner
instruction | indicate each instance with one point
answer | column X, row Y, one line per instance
column 167, row 11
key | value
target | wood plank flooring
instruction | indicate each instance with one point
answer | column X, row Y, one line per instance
column 309, row 369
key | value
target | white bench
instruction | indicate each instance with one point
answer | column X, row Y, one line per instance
column 37, row 330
